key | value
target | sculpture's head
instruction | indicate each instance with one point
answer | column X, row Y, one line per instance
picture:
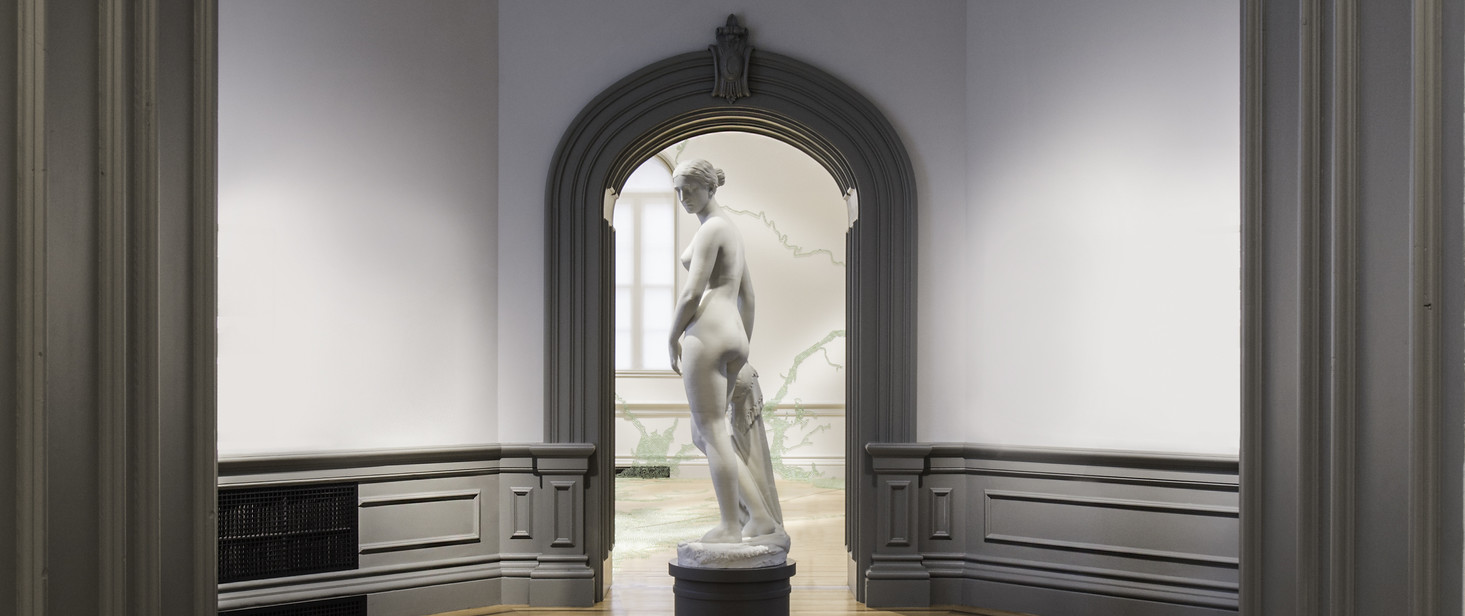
column 695, row 181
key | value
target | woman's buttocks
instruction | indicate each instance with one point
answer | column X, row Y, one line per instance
column 718, row 322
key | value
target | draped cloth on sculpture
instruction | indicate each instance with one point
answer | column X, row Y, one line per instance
column 755, row 464
column 750, row 440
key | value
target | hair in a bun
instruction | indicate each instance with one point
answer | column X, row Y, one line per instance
column 702, row 171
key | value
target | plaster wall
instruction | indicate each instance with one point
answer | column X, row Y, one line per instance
column 358, row 247
column 1058, row 154
column 1103, row 229
column 554, row 57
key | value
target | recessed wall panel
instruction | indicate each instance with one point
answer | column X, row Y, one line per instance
column 420, row 520
column 1146, row 529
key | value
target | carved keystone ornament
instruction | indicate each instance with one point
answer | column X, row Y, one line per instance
column 730, row 61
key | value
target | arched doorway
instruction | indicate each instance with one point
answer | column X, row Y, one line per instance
column 791, row 101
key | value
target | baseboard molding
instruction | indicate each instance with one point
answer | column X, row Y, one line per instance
column 441, row 529
column 1178, row 591
column 439, row 599
column 365, row 582
column 1022, row 598
column 1053, row 531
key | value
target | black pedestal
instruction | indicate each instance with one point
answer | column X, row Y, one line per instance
column 731, row 592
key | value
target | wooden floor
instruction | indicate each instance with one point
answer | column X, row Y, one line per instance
column 652, row 514
column 645, row 601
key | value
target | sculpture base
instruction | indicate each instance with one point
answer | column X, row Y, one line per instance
column 731, row 592
column 771, row 552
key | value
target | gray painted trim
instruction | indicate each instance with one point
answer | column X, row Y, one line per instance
column 347, row 460
column 506, row 561
column 1182, row 558
column 1112, row 475
column 1424, row 324
column 1253, row 314
column 521, row 512
column 1115, row 574
column 1200, row 463
column 114, row 104
column 144, row 490
column 1309, row 339
column 205, row 306
column 474, row 536
column 368, row 475
column 1451, row 465
column 1198, row 472
column 1451, row 452
column 791, row 101
column 30, row 498
column 1093, row 580
column 1023, row 583
column 114, row 95
column 1119, row 503
column 368, row 582
column 551, row 576
column 1342, row 480
column 1322, row 489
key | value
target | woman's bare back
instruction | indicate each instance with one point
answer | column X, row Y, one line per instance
column 718, row 321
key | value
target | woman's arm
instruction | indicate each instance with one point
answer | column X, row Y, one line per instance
column 699, row 274
column 745, row 302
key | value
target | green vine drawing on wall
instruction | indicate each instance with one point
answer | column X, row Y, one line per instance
column 653, row 448
column 830, row 361
column 799, row 251
column 778, row 427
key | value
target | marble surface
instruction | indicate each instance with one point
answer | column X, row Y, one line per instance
column 729, row 555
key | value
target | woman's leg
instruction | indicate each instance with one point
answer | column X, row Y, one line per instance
column 759, row 522
column 707, row 394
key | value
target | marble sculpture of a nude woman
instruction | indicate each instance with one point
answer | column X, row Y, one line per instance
column 711, row 327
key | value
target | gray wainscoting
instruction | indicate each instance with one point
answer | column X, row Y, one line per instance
column 1050, row 531
column 441, row 529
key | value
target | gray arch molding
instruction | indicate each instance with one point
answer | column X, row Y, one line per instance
column 669, row 101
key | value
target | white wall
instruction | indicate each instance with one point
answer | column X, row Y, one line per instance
column 357, row 234
column 1103, row 233
column 1079, row 274
column 555, row 56
column 1076, row 168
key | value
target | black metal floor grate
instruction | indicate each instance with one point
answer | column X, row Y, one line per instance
column 280, row 531
column 644, row 472
column 345, row 606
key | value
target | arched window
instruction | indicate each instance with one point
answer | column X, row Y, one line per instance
column 645, row 275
